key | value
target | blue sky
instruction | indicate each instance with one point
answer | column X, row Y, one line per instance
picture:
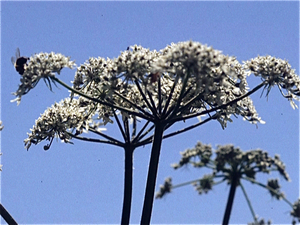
column 83, row 183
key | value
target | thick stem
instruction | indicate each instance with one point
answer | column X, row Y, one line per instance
column 234, row 183
column 127, row 186
column 6, row 216
column 152, row 173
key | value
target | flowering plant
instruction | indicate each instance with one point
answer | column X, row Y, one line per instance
column 233, row 166
column 180, row 82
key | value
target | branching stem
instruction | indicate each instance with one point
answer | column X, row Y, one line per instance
column 219, row 107
column 96, row 140
column 269, row 188
column 102, row 102
column 248, row 202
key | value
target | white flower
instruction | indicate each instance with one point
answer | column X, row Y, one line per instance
column 63, row 118
column 276, row 72
column 42, row 65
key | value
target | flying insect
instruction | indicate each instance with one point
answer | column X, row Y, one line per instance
column 20, row 62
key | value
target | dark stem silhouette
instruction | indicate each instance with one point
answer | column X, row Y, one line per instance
column 6, row 216
column 152, row 174
column 234, row 183
column 127, row 185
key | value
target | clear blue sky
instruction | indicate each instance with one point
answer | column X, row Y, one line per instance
column 83, row 183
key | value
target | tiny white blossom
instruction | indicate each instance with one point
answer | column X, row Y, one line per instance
column 276, row 72
column 42, row 65
column 62, row 118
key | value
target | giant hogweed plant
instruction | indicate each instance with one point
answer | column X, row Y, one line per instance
column 144, row 93
column 232, row 165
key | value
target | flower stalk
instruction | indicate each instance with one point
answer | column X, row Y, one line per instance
column 152, row 173
column 127, row 185
column 233, row 186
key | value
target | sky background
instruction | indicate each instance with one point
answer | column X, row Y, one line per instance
column 83, row 183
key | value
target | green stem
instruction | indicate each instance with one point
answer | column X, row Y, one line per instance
column 127, row 185
column 269, row 188
column 234, row 183
column 248, row 202
column 152, row 174
column 197, row 180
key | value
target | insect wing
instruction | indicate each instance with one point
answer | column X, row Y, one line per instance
column 13, row 60
column 18, row 53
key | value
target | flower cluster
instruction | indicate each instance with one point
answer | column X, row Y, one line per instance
column 64, row 117
column 217, row 79
column 248, row 163
column 276, row 72
column 182, row 81
column 204, row 184
column 92, row 71
column 212, row 79
column 165, row 188
column 231, row 161
column 135, row 64
column 190, row 57
column 228, row 157
column 275, row 187
column 42, row 65
column 111, row 78
column 201, row 152
column 296, row 210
